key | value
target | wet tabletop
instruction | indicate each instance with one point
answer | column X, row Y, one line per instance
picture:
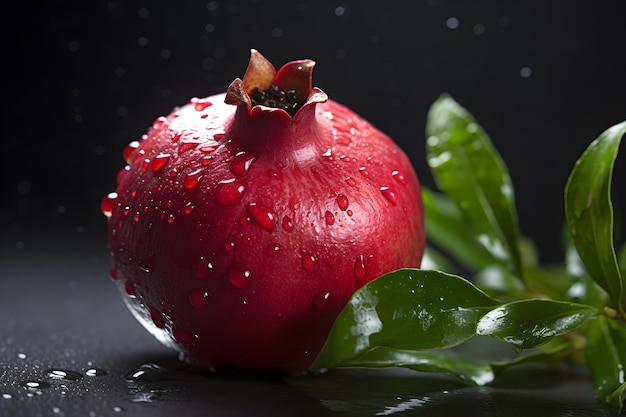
column 71, row 348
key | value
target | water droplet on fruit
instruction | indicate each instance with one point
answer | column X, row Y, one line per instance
column 136, row 217
column 240, row 165
column 64, row 374
column 351, row 182
column 188, row 208
column 398, row 176
column 389, row 194
column 129, row 150
column 147, row 264
column 107, row 204
column 229, row 246
column 122, row 173
column 201, row 103
column 308, row 261
column 170, row 218
column 145, row 164
column 93, row 372
column 328, row 155
column 359, row 268
column 263, row 215
column 273, row 173
column 273, row 249
column 187, row 145
column 159, row 161
column 321, row 301
column 176, row 136
column 202, row 268
column 342, row 202
column 182, row 336
column 157, row 317
column 130, row 289
column 159, row 122
column 239, row 275
column 330, row 218
column 349, row 213
column 192, row 179
column 198, row 298
column 229, row 192
column 288, row 224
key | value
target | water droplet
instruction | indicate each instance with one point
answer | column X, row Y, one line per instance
column 136, row 217
column 239, row 275
column 229, row 246
column 96, row 372
column 148, row 372
column 129, row 150
column 351, row 182
column 328, row 155
column 389, row 194
column 398, row 176
column 359, row 268
column 107, row 204
column 349, row 213
column 130, row 289
column 273, row 173
column 209, row 147
column 159, row 161
column 321, row 301
column 122, row 173
column 64, row 374
column 240, row 165
column 22, row 355
column 202, row 268
column 342, row 202
column 229, row 192
column 288, row 224
column 201, row 103
column 187, row 145
column 157, row 318
column 364, row 172
column 308, row 261
column 192, row 179
column 170, row 218
column 7, row 396
column 147, row 264
column 159, row 122
column 188, row 208
column 198, row 298
column 273, row 249
column 263, row 215
column 35, row 384
column 330, row 218
column 182, row 336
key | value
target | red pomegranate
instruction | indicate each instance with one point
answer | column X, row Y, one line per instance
column 244, row 221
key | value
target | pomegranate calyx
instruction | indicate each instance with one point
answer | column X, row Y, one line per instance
column 290, row 89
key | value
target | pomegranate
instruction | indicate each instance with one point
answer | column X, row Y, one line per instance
column 244, row 221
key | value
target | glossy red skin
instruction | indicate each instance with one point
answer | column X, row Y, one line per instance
column 161, row 233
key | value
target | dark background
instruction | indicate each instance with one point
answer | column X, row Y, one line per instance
column 83, row 78
column 86, row 77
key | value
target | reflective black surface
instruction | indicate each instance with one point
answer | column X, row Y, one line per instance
column 71, row 348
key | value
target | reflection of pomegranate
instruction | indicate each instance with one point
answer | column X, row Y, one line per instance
column 245, row 221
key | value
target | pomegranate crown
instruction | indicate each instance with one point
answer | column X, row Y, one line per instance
column 289, row 89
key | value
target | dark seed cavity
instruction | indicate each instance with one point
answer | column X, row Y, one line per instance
column 276, row 98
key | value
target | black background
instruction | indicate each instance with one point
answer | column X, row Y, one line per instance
column 85, row 78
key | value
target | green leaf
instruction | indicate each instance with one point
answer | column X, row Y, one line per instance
column 606, row 356
column 467, row 370
column 467, row 168
column 447, row 229
column 530, row 323
column 589, row 212
column 405, row 309
column 536, row 355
